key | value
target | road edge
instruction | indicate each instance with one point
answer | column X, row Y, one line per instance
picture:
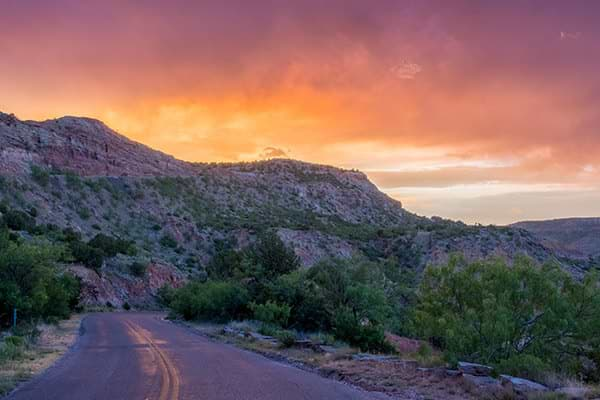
column 276, row 357
column 56, row 364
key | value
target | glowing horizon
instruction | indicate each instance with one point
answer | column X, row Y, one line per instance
column 482, row 112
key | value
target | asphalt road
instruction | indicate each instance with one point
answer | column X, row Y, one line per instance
column 140, row 356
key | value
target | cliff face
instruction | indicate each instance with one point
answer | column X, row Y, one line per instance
column 78, row 173
column 82, row 145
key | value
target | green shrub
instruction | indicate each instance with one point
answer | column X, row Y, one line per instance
column 40, row 175
column 18, row 220
column 165, row 295
column 73, row 181
column 168, row 241
column 286, row 338
column 267, row 330
column 10, row 352
column 84, row 212
column 362, row 334
column 218, row 301
column 524, row 366
column 271, row 313
column 17, row 341
column 126, row 306
column 274, row 256
column 225, row 263
column 138, row 268
column 90, row 256
column 111, row 246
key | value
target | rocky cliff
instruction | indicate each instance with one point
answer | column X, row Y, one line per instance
column 78, row 173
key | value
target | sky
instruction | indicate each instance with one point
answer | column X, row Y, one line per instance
column 482, row 111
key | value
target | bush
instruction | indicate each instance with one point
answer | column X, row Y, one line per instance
column 138, row 268
column 217, row 301
column 17, row 341
column 110, row 246
column 271, row 313
column 274, row 256
column 40, row 176
column 168, row 241
column 165, row 295
column 286, row 338
column 73, row 181
column 93, row 253
column 126, row 306
column 18, row 220
column 90, row 256
column 492, row 313
column 267, row 330
column 524, row 366
column 10, row 352
column 225, row 263
column 365, row 335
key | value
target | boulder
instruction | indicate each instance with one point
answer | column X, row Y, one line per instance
column 475, row 369
column 522, row 387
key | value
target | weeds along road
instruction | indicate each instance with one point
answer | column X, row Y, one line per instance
column 134, row 356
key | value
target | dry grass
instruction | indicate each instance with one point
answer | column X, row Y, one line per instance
column 53, row 342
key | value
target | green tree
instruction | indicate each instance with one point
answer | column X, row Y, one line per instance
column 491, row 312
column 30, row 282
column 273, row 255
column 225, row 263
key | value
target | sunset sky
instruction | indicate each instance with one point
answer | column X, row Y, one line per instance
column 484, row 111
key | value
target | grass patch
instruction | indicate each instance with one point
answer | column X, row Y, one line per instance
column 22, row 357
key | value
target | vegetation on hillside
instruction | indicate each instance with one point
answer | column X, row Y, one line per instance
column 524, row 319
column 356, row 300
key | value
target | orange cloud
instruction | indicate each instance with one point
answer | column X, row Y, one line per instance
column 419, row 94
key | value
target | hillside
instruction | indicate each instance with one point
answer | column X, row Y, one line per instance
column 77, row 173
column 577, row 237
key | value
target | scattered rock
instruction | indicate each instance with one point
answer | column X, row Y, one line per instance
column 474, row 369
column 325, row 349
column 373, row 357
column 485, row 387
column 230, row 331
column 258, row 336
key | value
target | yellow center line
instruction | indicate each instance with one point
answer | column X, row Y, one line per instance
column 170, row 377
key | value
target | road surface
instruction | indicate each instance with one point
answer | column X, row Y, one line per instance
column 134, row 356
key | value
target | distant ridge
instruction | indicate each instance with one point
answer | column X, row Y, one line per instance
column 579, row 237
